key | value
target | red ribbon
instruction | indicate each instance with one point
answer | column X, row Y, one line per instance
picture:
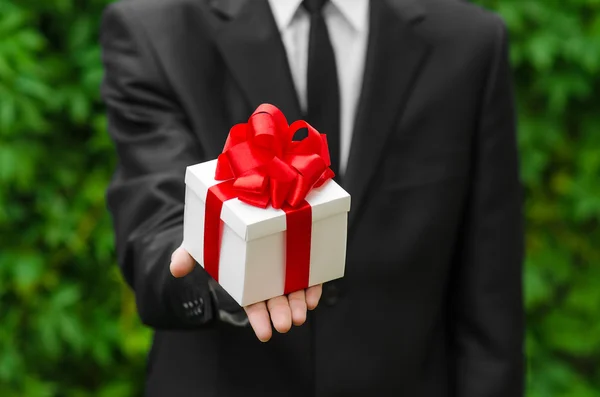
column 297, row 252
column 262, row 165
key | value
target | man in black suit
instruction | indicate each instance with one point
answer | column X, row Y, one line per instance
column 416, row 98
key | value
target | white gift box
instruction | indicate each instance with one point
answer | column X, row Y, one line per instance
column 252, row 249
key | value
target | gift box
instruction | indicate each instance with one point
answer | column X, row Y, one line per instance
column 266, row 218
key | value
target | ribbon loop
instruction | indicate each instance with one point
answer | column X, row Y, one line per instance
column 267, row 166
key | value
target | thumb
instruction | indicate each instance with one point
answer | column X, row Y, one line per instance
column 182, row 263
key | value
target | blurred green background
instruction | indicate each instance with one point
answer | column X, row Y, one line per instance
column 68, row 325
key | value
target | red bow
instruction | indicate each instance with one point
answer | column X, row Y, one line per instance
column 267, row 166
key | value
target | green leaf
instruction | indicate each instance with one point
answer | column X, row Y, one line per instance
column 28, row 270
column 65, row 297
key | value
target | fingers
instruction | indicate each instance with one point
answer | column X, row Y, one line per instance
column 282, row 312
column 258, row 316
column 313, row 294
column 182, row 263
column 297, row 302
column 281, row 315
column 262, row 314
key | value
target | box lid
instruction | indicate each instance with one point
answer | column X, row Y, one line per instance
column 251, row 222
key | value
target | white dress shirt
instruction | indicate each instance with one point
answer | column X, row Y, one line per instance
column 348, row 26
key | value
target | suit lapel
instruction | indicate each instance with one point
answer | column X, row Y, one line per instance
column 394, row 58
column 251, row 46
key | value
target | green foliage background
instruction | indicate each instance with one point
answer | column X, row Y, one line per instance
column 68, row 325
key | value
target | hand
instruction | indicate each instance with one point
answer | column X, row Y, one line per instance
column 282, row 311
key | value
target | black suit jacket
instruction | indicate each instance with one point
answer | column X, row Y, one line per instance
column 431, row 302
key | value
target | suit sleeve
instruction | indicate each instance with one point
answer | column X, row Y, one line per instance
column 487, row 309
column 154, row 145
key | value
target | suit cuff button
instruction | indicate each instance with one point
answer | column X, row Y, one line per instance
column 194, row 307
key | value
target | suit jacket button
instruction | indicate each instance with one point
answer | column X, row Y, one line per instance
column 331, row 294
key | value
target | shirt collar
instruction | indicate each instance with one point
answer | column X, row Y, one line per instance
column 355, row 11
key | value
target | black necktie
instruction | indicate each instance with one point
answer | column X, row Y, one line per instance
column 322, row 82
